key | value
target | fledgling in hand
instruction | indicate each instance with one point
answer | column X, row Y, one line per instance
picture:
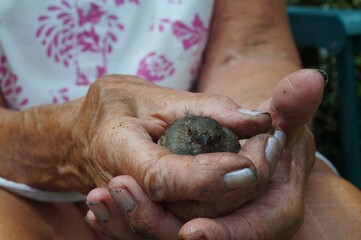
column 192, row 135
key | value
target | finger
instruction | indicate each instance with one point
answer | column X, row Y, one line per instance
column 264, row 150
column 243, row 122
column 166, row 176
column 296, row 99
column 142, row 215
column 105, row 216
column 169, row 104
column 204, row 228
column 259, row 220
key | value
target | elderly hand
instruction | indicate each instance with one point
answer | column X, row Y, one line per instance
column 276, row 213
column 121, row 119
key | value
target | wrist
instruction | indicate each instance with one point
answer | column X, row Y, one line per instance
column 38, row 147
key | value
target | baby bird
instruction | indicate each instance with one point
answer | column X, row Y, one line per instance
column 192, row 135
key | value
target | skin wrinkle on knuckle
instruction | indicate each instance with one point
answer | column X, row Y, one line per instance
column 154, row 180
column 208, row 181
column 221, row 98
column 141, row 224
column 114, row 88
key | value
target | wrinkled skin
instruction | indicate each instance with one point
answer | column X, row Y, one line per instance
column 121, row 140
column 250, row 49
column 281, row 202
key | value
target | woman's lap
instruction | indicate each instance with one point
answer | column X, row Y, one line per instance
column 332, row 207
column 28, row 219
column 332, row 211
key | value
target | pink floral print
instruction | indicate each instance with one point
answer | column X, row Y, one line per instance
column 155, row 67
column 78, row 34
column 61, row 96
column 159, row 25
column 10, row 87
column 119, row 2
column 88, row 39
column 190, row 35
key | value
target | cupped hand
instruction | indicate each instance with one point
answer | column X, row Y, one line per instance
column 277, row 213
column 123, row 117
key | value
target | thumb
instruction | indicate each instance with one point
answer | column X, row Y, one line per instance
column 296, row 99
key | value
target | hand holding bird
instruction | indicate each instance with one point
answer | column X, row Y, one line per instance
column 193, row 135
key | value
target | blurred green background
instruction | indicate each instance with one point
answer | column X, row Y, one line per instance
column 326, row 123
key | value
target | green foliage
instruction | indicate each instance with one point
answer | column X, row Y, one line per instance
column 328, row 3
column 326, row 122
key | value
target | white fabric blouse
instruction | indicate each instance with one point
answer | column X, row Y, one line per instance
column 52, row 50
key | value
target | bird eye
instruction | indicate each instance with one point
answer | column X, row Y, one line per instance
column 189, row 131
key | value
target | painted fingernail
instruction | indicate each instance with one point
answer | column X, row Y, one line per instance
column 123, row 199
column 236, row 179
column 281, row 136
column 274, row 148
column 251, row 112
column 324, row 75
column 100, row 210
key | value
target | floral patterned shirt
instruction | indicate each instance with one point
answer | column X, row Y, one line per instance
column 52, row 50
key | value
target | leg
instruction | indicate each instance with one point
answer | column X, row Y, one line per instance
column 27, row 219
column 332, row 207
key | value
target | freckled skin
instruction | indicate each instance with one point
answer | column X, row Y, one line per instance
column 192, row 135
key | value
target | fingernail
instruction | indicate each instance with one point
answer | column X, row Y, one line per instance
column 324, row 75
column 273, row 150
column 239, row 178
column 281, row 136
column 251, row 112
column 123, row 199
column 90, row 217
column 100, row 210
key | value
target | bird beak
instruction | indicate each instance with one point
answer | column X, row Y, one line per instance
column 204, row 139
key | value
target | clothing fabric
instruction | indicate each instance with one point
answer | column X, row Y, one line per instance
column 51, row 51
column 40, row 195
column 328, row 163
column 49, row 196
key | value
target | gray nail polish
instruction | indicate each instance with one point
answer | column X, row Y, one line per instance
column 123, row 199
column 324, row 75
column 239, row 178
column 281, row 136
column 251, row 112
column 100, row 211
column 273, row 150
